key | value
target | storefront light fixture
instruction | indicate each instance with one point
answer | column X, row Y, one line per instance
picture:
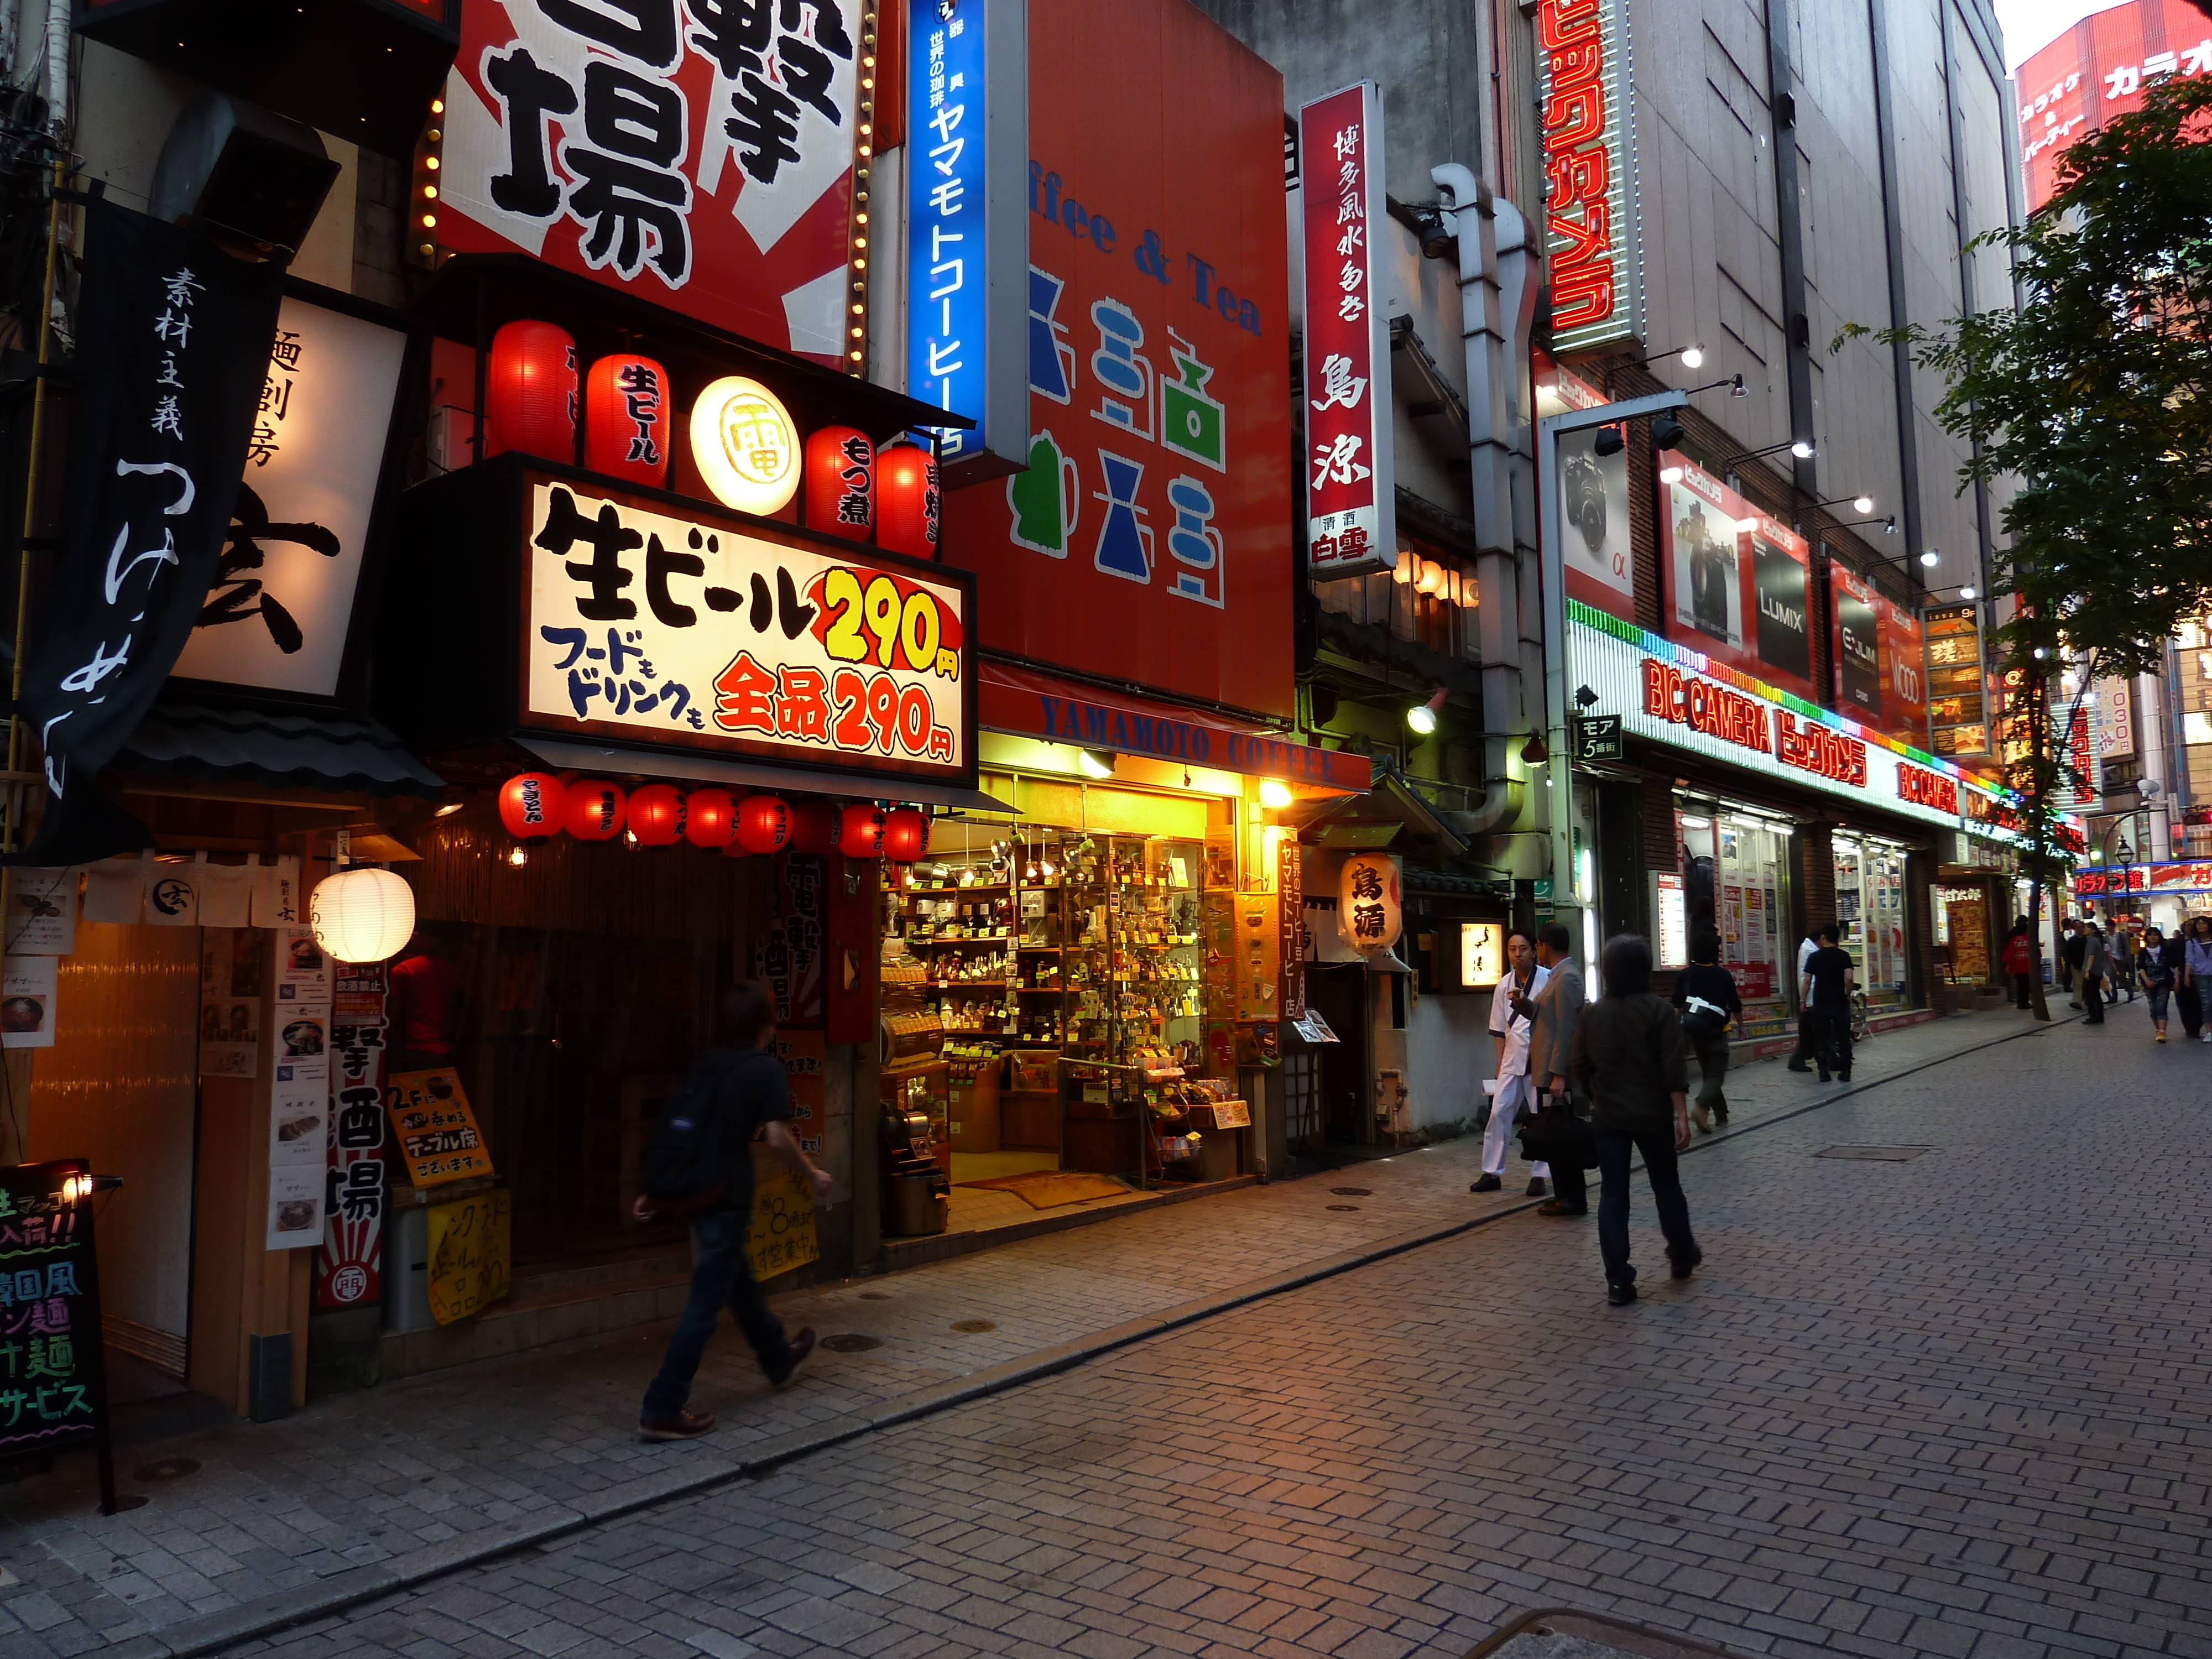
column 1931, row 558
column 1697, row 823
column 1802, row 449
column 1968, row 592
column 1747, row 524
column 518, row 856
column 1274, row 792
column 1094, row 763
column 1670, row 475
column 448, row 809
column 746, row 446
column 1422, row 716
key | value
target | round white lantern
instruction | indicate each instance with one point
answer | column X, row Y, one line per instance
column 362, row 914
column 745, row 445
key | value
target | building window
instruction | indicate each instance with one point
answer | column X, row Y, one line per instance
column 1430, row 599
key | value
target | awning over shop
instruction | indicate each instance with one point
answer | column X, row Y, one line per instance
column 1029, row 703
column 337, row 753
column 748, row 774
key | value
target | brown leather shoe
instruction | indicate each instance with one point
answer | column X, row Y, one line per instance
column 1560, row 1207
column 684, row 1425
column 802, row 1349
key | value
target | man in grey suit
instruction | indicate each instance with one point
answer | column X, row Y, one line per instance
column 1551, row 1053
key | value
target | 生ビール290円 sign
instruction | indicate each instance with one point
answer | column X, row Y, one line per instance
column 644, row 626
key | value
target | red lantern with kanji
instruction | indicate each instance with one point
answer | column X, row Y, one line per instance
column 841, row 482
column 906, row 835
column 530, row 392
column 530, row 804
column 594, row 811
column 656, row 815
column 626, row 419
column 764, row 824
column 906, row 501
column 814, row 827
column 860, row 831
column 710, row 818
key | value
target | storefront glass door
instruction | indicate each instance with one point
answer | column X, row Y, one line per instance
column 1871, row 915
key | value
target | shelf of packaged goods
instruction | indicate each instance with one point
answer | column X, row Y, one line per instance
column 1041, row 947
column 1001, row 940
column 942, row 892
column 967, row 985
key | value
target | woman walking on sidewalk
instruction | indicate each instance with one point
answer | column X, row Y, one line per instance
column 2195, row 977
column 2158, row 974
column 1630, row 1063
column 1706, row 998
column 2019, row 962
column 2095, row 960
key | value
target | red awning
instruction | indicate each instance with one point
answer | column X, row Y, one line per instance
column 1030, row 704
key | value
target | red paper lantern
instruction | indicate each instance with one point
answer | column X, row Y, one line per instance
column 594, row 810
column 530, row 392
column 656, row 815
column 530, row 804
column 764, row 824
column 860, row 831
column 814, row 827
column 626, row 419
column 906, row 501
column 841, row 482
column 906, row 835
column 710, row 818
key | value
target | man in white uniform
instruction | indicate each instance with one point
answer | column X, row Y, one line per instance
column 1510, row 1022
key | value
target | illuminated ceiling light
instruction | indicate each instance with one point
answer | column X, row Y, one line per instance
column 1802, row 449
column 1274, row 792
column 1697, row 823
column 1670, row 475
column 1862, row 504
column 746, row 448
column 1930, row 558
column 1094, row 763
column 1693, row 356
column 1421, row 718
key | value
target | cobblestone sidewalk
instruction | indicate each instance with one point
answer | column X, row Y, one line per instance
column 357, row 1495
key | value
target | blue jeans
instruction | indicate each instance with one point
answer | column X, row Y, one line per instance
column 2158, row 995
column 721, row 1273
column 1616, row 1149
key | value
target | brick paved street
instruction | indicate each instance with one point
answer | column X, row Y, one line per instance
column 1890, row 1444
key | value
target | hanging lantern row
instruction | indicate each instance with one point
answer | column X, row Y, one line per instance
column 537, row 806
column 743, row 444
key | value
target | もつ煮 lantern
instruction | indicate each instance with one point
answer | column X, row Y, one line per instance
column 362, row 914
column 710, row 818
column 530, row 392
column 906, row 835
column 764, row 824
column 814, row 825
column 530, row 804
column 860, row 831
column 594, row 811
column 656, row 815
column 907, row 501
column 841, row 482
column 626, row 419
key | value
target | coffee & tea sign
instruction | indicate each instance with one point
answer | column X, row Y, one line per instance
column 1370, row 911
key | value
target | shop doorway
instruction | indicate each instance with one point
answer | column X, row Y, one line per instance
column 120, row 1086
column 1339, row 993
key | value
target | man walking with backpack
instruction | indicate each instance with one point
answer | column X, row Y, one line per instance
column 1706, row 997
column 698, row 1164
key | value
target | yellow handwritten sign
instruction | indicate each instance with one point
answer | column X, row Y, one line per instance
column 438, row 1135
column 783, row 1236
column 471, row 1254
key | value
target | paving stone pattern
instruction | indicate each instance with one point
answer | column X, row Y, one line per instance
column 1905, row 1411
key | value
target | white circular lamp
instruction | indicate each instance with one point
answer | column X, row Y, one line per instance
column 745, row 445
column 362, row 913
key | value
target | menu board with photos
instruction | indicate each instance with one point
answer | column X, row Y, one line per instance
column 1958, row 721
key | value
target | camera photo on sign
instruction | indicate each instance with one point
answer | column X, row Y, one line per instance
column 1708, row 579
column 1594, row 503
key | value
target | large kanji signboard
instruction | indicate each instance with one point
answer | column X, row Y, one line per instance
column 1148, row 540
column 698, row 154
column 642, row 624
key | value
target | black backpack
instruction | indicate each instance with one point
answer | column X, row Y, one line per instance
column 684, row 1166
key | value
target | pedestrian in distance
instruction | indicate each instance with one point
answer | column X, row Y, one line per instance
column 697, row 1164
column 1706, row 998
column 1801, row 1061
column 2158, row 973
column 1829, row 978
column 1632, row 1063
column 2096, row 959
column 2195, row 977
column 1512, row 1021
column 2020, row 961
column 2121, row 947
column 1552, row 1055
column 2071, row 951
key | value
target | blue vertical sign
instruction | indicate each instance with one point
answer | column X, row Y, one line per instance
column 948, row 264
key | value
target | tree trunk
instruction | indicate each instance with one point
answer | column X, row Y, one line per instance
column 2035, row 938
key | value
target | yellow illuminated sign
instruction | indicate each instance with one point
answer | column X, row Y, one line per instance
column 1481, row 954
column 745, row 445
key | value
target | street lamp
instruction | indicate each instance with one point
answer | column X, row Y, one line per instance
column 1566, row 879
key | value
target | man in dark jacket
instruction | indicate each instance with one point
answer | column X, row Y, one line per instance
column 1630, row 1063
column 749, row 1084
column 1706, row 998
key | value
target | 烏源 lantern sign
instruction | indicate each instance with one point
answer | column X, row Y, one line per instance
column 700, row 157
column 1350, row 506
column 1589, row 159
column 1370, row 911
column 643, row 626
